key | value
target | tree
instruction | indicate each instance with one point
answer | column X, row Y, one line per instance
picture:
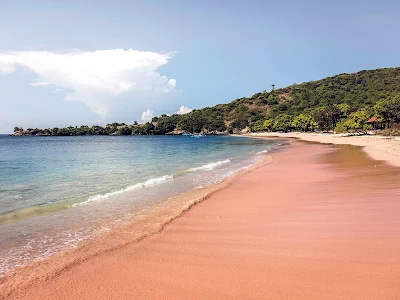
column 327, row 117
column 283, row 122
column 304, row 122
column 193, row 122
column 388, row 110
column 355, row 121
column 215, row 124
column 98, row 130
column 166, row 124
column 124, row 130
column 148, row 128
column 344, row 108
column 258, row 126
column 269, row 124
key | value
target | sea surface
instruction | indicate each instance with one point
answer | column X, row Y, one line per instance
column 56, row 192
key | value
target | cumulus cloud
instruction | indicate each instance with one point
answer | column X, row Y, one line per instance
column 147, row 116
column 172, row 83
column 96, row 78
column 183, row 110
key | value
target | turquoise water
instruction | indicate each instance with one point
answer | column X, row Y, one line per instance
column 58, row 191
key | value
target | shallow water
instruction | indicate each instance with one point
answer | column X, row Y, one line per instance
column 58, row 191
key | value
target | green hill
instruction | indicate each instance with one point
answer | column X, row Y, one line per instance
column 343, row 102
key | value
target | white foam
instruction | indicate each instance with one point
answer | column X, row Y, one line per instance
column 147, row 183
column 262, row 152
column 210, row 166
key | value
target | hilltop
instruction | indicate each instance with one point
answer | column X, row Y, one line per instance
column 344, row 102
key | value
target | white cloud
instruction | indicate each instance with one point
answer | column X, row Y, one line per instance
column 183, row 110
column 96, row 78
column 172, row 83
column 147, row 116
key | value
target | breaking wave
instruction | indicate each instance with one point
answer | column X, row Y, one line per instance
column 210, row 166
column 262, row 152
column 147, row 183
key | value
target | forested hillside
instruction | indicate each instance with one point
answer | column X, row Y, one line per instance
column 341, row 103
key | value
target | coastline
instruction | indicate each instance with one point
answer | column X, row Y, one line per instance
column 84, row 190
column 149, row 223
column 377, row 147
column 332, row 235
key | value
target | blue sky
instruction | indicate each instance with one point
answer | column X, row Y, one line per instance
column 199, row 53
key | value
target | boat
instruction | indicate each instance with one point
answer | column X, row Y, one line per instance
column 198, row 136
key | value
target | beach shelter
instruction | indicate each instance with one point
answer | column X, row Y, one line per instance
column 372, row 121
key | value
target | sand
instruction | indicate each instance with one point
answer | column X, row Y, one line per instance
column 318, row 222
column 378, row 147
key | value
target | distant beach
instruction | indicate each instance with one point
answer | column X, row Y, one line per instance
column 378, row 147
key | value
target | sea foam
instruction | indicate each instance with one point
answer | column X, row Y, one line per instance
column 147, row 183
column 265, row 151
column 210, row 166
column 262, row 152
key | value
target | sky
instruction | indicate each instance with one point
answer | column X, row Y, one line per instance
column 90, row 62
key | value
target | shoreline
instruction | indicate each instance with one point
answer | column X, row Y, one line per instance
column 333, row 234
column 139, row 228
column 377, row 147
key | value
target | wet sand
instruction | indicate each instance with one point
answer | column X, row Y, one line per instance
column 318, row 222
column 378, row 147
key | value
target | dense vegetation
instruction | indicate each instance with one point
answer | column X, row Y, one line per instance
column 340, row 103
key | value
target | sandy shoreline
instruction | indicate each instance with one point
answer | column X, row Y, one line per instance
column 147, row 224
column 378, row 147
column 315, row 223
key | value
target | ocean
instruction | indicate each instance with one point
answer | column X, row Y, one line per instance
column 57, row 192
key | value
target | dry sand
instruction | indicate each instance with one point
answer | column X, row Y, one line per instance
column 319, row 222
column 378, row 147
